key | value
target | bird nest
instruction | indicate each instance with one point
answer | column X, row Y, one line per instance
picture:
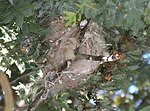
column 69, row 62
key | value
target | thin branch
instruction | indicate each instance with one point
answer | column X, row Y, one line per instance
column 12, row 82
column 55, row 103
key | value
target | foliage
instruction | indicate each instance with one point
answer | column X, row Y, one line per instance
column 145, row 109
column 25, row 23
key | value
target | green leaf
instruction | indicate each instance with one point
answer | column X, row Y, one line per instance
column 20, row 20
column 88, row 13
column 79, row 5
column 69, row 13
column 70, row 17
column 25, row 8
column 74, row 24
column 9, row 17
column 147, row 15
column 147, row 108
column 134, row 14
column 79, row 18
column 132, row 68
column 118, row 76
column 37, row 5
